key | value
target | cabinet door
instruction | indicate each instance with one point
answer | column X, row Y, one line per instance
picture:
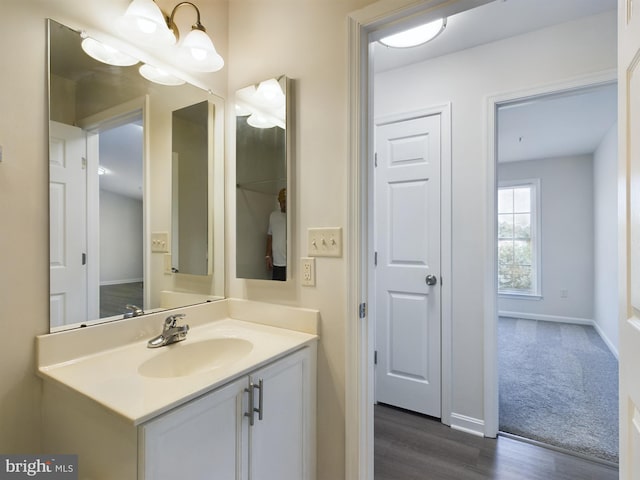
column 280, row 445
column 201, row 440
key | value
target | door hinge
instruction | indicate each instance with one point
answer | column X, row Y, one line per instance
column 363, row 310
column 84, row 163
column 84, row 259
column 375, row 259
column 375, row 159
column 375, row 357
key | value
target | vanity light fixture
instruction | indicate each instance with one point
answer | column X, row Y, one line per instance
column 158, row 75
column 415, row 36
column 106, row 54
column 143, row 21
column 195, row 52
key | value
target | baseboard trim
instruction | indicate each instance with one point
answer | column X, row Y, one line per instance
column 471, row 425
column 119, row 282
column 547, row 318
column 606, row 340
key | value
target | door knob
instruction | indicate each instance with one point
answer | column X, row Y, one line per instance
column 431, row 280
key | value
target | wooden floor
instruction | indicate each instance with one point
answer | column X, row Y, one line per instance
column 409, row 446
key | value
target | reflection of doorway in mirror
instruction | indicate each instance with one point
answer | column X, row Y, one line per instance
column 120, row 216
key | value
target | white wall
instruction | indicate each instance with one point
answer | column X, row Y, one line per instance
column 566, row 235
column 605, row 310
column 467, row 79
column 120, row 238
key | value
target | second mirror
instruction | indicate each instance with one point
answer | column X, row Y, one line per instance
column 262, row 180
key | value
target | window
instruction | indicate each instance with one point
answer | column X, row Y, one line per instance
column 518, row 248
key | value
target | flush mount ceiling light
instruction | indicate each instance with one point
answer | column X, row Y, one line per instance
column 106, row 54
column 145, row 22
column 157, row 75
column 415, row 36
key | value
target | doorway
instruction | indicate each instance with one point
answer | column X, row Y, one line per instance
column 364, row 27
column 556, row 164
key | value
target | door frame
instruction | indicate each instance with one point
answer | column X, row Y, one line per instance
column 491, row 374
column 363, row 27
column 444, row 112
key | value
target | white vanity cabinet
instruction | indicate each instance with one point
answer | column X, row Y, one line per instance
column 217, row 436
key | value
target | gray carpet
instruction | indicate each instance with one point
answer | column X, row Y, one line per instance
column 558, row 385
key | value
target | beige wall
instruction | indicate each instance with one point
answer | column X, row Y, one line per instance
column 24, row 251
column 307, row 41
column 310, row 47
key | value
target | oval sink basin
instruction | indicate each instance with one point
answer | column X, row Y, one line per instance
column 184, row 358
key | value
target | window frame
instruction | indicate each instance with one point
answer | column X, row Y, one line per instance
column 536, row 247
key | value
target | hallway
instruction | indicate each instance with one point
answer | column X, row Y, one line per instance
column 413, row 447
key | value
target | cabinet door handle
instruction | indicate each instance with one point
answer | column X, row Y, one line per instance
column 252, row 409
column 260, row 408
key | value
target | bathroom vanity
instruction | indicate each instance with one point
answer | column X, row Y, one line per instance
column 235, row 400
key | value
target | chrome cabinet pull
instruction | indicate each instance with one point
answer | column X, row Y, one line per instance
column 252, row 402
column 252, row 409
column 260, row 408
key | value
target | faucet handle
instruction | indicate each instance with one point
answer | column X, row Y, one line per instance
column 171, row 320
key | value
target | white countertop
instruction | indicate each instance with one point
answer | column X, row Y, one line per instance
column 110, row 376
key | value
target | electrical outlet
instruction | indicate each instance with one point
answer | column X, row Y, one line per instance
column 160, row 242
column 308, row 271
column 325, row 242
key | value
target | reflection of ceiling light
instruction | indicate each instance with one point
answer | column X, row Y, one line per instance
column 259, row 121
column 145, row 22
column 106, row 54
column 157, row 75
column 265, row 104
column 101, row 170
column 415, row 36
column 242, row 111
column 270, row 90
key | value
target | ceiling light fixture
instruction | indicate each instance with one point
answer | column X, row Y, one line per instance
column 106, row 54
column 196, row 51
column 415, row 36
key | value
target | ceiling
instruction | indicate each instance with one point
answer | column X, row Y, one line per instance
column 546, row 127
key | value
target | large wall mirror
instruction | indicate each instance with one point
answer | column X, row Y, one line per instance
column 136, row 190
column 262, row 166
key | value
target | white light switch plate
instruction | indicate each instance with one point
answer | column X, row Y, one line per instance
column 325, row 242
column 308, row 271
column 160, row 242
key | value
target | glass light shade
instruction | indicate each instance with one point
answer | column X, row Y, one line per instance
column 144, row 22
column 157, row 75
column 415, row 36
column 242, row 111
column 106, row 54
column 257, row 120
column 198, row 53
column 270, row 92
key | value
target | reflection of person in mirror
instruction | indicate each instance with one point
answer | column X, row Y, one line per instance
column 276, row 255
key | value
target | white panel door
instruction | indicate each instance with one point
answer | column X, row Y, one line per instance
column 629, row 128
column 67, row 224
column 407, row 239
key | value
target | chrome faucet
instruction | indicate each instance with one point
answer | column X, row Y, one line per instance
column 132, row 311
column 171, row 332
